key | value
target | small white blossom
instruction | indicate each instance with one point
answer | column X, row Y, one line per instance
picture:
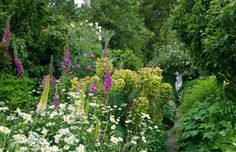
column 114, row 140
column 66, row 147
column 113, row 127
column 81, row 148
column 90, row 129
column 5, row 130
column 112, row 119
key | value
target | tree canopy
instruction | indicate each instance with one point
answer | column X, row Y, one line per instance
column 208, row 29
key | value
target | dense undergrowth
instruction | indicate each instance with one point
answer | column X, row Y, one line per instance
column 207, row 118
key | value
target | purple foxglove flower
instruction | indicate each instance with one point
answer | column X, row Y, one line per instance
column 107, row 81
column 66, row 62
column 19, row 66
column 67, row 58
column 92, row 88
column 7, row 36
column 56, row 100
column 53, row 81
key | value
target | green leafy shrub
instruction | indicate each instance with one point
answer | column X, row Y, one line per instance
column 204, row 122
column 198, row 91
column 126, row 59
column 16, row 92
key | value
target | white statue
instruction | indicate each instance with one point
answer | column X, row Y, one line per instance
column 178, row 82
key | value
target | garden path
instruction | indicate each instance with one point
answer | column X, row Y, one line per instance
column 171, row 141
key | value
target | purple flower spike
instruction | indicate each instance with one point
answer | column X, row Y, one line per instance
column 7, row 36
column 19, row 66
column 67, row 58
column 92, row 88
column 107, row 81
column 56, row 101
column 66, row 62
column 53, row 81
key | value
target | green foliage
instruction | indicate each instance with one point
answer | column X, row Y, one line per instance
column 169, row 114
column 140, row 106
column 146, row 83
column 123, row 18
column 38, row 29
column 131, row 79
column 126, row 59
column 155, row 14
column 150, row 81
column 208, row 29
column 16, row 92
column 5, row 60
column 198, row 92
column 66, row 9
column 204, row 123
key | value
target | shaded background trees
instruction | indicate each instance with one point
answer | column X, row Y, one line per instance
column 208, row 30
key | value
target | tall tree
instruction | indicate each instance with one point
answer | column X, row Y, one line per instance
column 124, row 19
column 155, row 13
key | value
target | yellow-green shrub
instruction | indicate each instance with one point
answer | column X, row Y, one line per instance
column 131, row 78
column 101, row 65
column 140, row 105
column 150, row 81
